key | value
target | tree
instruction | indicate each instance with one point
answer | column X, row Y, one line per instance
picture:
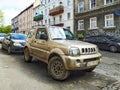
column 1, row 18
column 5, row 29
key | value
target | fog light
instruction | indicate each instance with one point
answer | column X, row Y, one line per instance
column 77, row 63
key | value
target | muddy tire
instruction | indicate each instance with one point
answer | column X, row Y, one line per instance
column 56, row 69
column 27, row 56
column 113, row 49
column 9, row 50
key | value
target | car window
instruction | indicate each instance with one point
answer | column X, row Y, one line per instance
column 18, row 37
column 101, row 38
column 90, row 38
column 2, row 35
column 57, row 33
column 40, row 31
column 30, row 33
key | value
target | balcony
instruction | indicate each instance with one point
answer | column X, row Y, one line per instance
column 56, row 11
column 57, row 23
column 38, row 17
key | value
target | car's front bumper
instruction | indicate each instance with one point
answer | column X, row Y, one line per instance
column 18, row 49
column 82, row 62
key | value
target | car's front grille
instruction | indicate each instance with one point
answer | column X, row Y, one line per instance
column 88, row 50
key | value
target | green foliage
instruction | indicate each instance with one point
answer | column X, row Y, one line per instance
column 5, row 29
column 80, row 35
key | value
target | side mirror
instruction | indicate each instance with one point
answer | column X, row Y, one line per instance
column 43, row 37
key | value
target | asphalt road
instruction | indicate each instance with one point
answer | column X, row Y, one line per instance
column 15, row 74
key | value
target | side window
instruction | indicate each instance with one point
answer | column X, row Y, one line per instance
column 30, row 34
column 40, row 33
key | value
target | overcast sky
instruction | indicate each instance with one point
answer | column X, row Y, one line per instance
column 12, row 8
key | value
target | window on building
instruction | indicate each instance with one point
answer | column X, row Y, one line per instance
column 108, row 2
column 54, row 20
column 109, row 20
column 68, row 2
column 93, row 23
column 53, row 6
column 80, row 24
column 45, row 11
column 81, row 7
column 49, row 21
column 45, row 1
column 48, row 0
column 92, row 4
column 45, row 21
column 68, row 16
column 60, row 18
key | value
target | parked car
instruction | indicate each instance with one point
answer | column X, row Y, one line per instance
column 105, row 42
column 14, row 42
column 2, row 35
column 58, row 47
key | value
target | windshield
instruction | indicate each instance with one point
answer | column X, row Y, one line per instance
column 57, row 33
column 2, row 35
column 18, row 36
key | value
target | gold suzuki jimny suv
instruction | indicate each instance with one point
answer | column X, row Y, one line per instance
column 60, row 50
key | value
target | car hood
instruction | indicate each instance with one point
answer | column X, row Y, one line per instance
column 75, row 43
column 19, row 41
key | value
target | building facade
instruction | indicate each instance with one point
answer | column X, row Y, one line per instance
column 93, row 17
column 25, row 20
column 55, row 12
column 14, row 24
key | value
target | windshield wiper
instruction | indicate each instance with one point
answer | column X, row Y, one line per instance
column 58, row 39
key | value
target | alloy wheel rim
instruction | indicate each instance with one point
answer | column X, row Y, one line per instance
column 57, row 68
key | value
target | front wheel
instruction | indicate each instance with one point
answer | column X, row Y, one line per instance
column 56, row 69
column 27, row 56
column 113, row 49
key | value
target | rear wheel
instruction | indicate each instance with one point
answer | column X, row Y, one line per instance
column 27, row 56
column 9, row 50
column 56, row 69
column 113, row 49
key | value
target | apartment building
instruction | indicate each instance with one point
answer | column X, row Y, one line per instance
column 56, row 13
column 97, row 17
column 25, row 19
column 14, row 24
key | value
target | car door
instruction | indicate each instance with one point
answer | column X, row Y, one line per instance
column 102, row 42
column 40, row 47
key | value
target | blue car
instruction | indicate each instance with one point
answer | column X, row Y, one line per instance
column 104, row 42
column 14, row 42
column 2, row 35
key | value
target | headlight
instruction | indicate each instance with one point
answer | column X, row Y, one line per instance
column 17, row 44
column 74, row 51
column 119, row 44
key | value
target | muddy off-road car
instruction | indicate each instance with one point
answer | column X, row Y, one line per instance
column 60, row 49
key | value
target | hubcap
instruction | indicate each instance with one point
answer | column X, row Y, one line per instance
column 57, row 68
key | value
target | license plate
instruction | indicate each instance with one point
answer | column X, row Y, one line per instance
column 92, row 63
